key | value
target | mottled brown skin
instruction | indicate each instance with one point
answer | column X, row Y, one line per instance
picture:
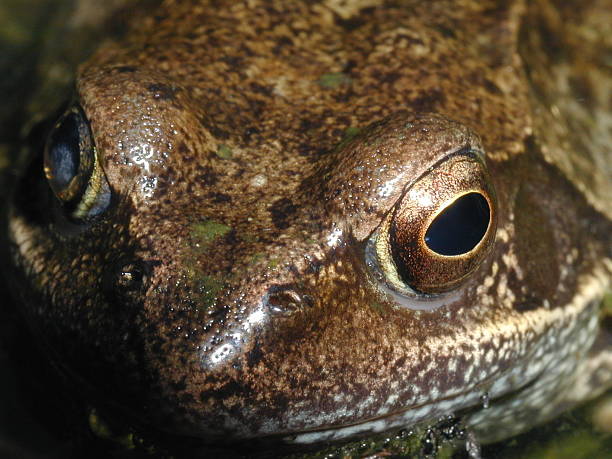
column 244, row 194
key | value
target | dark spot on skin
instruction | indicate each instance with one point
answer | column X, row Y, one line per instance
column 529, row 303
column 338, row 133
column 349, row 66
column 162, row 91
column 244, row 49
column 257, row 107
column 207, row 176
column 399, row 363
column 125, row 69
column 219, row 134
column 355, row 21
column 249, row 132
column 307, row 124
column 261, row 89
column 281, row 43
column 232, row 388
column 427, row 101
column 314, row 266
column 255, row 355
column 281, row 210
column 403, row 37
column 389, row 77
column 305, row 149
column 491, row 87
column 446, row 31
column 344, row 96
column 233, row 61
column 219, row 197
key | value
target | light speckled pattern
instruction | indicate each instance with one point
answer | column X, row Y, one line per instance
column 252, row 149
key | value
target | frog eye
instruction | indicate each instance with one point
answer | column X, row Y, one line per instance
column 442, row 227
column 72, row 167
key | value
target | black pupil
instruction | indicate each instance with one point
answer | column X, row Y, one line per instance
column 63, row 151
column 459, row 227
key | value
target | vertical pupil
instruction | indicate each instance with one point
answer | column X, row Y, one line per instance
column 63, row 152
column 459, row 227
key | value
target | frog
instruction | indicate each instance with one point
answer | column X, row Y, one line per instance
column 295, row 224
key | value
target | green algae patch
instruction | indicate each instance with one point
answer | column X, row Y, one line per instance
column 273, row 263
column 257, row 257
column 334, row 80
column 206, row 288
column 249, row 237
column 351, row 132
column 207, row 231
column 210, row 288
column 202, row 236
column 225, row 152
column 381, row 309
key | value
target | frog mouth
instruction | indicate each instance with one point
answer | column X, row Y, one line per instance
column 395, row 420
column 464, row 402
column 538, row 371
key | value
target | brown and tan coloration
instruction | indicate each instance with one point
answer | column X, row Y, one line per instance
column 252, row 150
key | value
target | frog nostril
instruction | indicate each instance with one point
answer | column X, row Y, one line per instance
column 129, row 277
column 284, row 301
column 126, row 281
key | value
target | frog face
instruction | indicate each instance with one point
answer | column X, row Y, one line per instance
column 232, row 245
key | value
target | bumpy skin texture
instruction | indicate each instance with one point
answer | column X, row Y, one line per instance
column 244, row 194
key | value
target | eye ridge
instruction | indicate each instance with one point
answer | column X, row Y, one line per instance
column 470, row 212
